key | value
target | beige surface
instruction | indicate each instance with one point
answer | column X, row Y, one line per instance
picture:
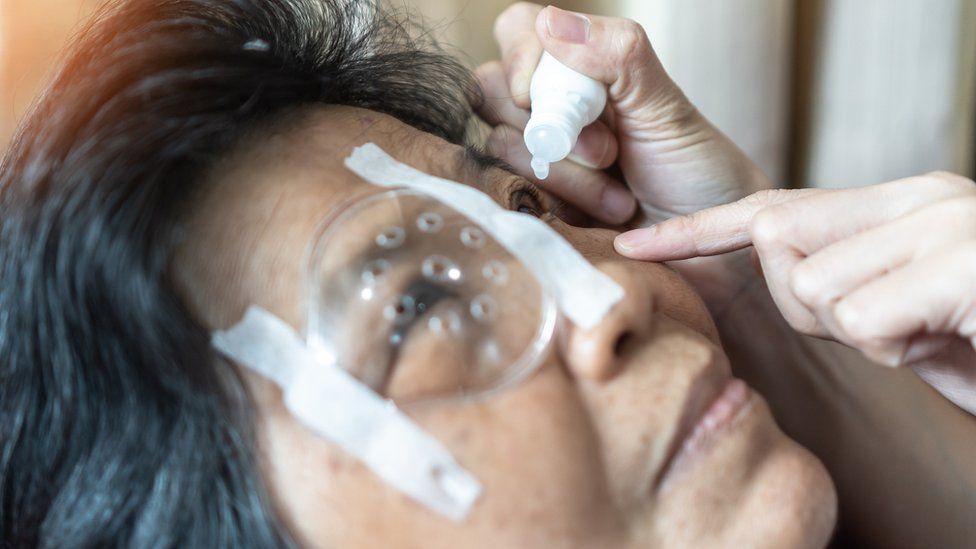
column 893, row 93
column 32, row 33
column 466, row 25
column 732, row 58
column 737, row 73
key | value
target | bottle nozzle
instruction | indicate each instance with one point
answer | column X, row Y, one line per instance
column 540, row 167
column 547, row 144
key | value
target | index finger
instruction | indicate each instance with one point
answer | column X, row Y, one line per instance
column 727, row 228
column 520, row 48
column 711, row 231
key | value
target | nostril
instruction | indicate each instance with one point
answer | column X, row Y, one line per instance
column 623, row 341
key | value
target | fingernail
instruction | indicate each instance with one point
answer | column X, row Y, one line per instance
column 567, row 26
column 630, row 240
column 586, row 148
column 618, row 203
column 581, row 161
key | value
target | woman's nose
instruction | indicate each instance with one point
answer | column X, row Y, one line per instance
column 594, row 353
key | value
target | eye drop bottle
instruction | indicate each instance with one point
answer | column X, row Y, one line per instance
column 563, row 103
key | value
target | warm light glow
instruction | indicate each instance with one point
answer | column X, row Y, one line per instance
column 33, row 33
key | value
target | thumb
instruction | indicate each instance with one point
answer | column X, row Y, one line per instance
column 617, row 52
column 711, row 231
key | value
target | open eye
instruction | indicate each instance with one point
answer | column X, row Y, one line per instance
column 527, row 202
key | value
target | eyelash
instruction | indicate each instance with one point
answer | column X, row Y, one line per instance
column 527, row 200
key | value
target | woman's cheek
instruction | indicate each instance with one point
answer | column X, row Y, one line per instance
column 535, row 452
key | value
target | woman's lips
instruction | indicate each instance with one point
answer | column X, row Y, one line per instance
column 719, row 413
column 733, row 397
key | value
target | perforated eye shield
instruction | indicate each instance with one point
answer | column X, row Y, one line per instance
column 316, row 374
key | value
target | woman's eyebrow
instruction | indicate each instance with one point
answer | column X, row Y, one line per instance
column 477, row 163
column 474, row 158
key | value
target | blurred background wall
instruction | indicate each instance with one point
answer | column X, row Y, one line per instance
column 819, row 92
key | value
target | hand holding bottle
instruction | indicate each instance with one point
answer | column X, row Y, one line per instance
column 671, row 158
column 563, row 103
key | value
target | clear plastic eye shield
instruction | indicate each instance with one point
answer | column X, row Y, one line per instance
column 426, row 292
column 419, row 303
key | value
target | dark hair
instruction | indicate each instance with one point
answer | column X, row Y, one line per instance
column 118, row 425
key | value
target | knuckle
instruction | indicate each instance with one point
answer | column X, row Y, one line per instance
column 631, row 45
column 773, row 197
column 517, row 14
column 760, row 198
column 939, row 174
column 766, row 228
column 852, row 322
column 664, row 109
column 690, row 225
column 488, row 69
column 953, row 217
column 961, row 208
column 948, row 177
column 764, row 197
column 967, row 253
column 806, row 284
column 631, row 36
column 949, row 182
column 964, row 207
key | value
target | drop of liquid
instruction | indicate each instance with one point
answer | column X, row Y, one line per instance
column 540, row 167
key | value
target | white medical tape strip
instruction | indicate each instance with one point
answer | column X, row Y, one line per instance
column 343, row 410
column 583, row 293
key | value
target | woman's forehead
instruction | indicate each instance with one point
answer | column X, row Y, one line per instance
column 248, row 231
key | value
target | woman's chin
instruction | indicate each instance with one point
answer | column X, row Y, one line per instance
column 747, row 484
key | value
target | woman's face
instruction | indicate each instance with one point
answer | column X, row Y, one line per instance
column 631, row 434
